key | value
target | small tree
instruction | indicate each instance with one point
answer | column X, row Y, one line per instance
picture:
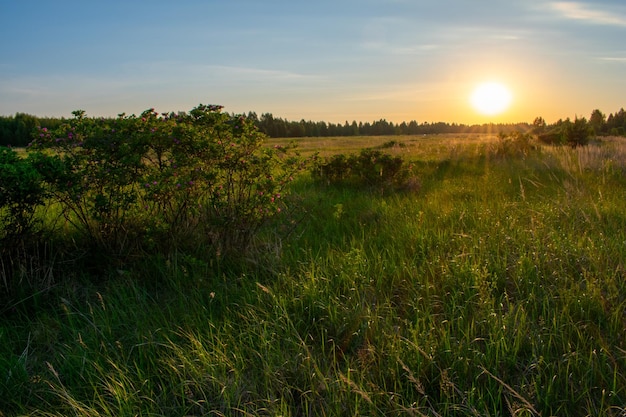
column 577, row 133
column 539, row 126
column 597, row 122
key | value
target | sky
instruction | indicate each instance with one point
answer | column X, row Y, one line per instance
column 332, row 61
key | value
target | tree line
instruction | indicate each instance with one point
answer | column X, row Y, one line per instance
column 614, row 124
column 277, row 127
column 17, row 130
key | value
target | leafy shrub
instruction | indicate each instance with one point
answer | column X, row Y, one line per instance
column 132, row 178
column 21, row 191
column 392, row 144
column 242, row 180
column 515, row 144
column 375, row 167
column 334, row 169
column 370, row 167
column 552, row 137
column 24, row 260
column 574, row 134
column 92, row 173
column 577, row 133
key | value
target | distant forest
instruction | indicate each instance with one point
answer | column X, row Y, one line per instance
column 17, row 130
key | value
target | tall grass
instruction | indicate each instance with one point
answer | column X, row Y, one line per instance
column 497, row 289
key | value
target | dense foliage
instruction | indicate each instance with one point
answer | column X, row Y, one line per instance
column 154, row 182
column 170, row 173
column 21, row 191
column 370, row 167
column 574, row 134
column 17, row 130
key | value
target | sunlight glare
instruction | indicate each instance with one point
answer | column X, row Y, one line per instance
column 491, row 98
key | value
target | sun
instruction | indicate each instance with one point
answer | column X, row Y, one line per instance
column 491, row 98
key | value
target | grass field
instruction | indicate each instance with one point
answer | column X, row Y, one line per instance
column 495, row 286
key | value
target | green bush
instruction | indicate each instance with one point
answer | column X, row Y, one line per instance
column 370, row 167
column 24, row 271
column 91, row 166
column 392, row 144
column 515, row 144
column 553, row 137
column 333, row 169
column 577, row 133
column 376, row 167
column 164, row 177
column 21, row 192
column 574, row 134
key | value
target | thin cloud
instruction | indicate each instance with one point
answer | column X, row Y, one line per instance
column 588, row 13
column 162, row 71
column 257, row 73
column 614, row 59
column 399, row 49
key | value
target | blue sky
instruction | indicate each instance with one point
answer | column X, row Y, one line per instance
column 326, row 60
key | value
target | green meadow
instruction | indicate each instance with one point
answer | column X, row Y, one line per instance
column 493, row 283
